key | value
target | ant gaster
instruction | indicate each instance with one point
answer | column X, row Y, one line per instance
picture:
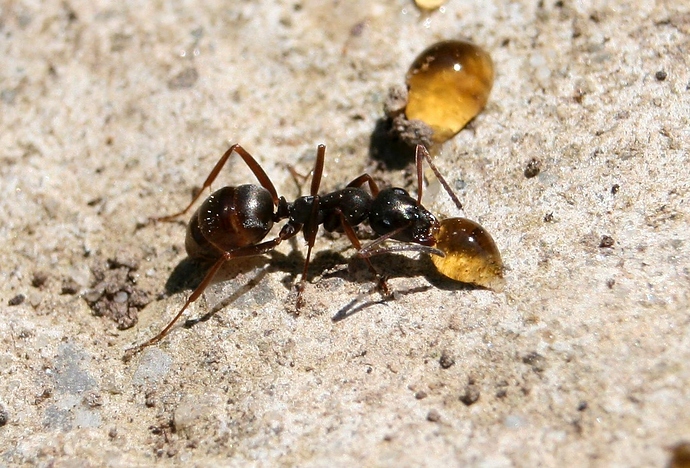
column 233, row 221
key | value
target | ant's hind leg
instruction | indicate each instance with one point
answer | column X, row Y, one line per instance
column 287, row 232
column 249, row 160
column 193, row 297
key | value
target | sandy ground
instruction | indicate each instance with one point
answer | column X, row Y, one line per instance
column 112, row 113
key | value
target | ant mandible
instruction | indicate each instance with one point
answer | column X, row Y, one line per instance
column 233, row 221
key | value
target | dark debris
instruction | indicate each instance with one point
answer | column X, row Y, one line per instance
column 446, row 361
column 536, row 361
column 4, row 416
column 471, row 394
column 114, row 294
column 433, row 416
column 16, row 300
column 69, row 286
column 39, row 278
column 533, row 168
column 606, row 242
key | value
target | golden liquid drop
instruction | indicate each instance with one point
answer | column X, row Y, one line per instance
column 471, row 254
column 680, row 457
column 429, row 4
column 449, row 83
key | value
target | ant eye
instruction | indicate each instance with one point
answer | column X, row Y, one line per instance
column 471, row 254
column 449, row 83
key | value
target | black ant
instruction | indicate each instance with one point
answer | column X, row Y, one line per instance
column 233, row 221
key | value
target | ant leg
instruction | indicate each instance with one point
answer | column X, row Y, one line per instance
column 311, row 228
column 287, row 232
column 299, row 179
column 249, row 160
column 421, row 153
column 318, row 170
column 192, row 297
column 365, row 179
column 420, row 182
column 347, row 228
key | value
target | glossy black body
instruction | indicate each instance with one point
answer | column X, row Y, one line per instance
column 242, row 216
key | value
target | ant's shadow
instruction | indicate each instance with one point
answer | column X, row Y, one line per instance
column 387, row 147
column 189, row 274
column 400, row 266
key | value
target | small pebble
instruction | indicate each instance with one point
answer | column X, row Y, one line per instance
column 433, row 416
column 606, row 242
column 39, row 279
column 16, row 300
column 4, row 416
column 533, row 168
column 471, row 395
column 446, row 360
column 120, row 297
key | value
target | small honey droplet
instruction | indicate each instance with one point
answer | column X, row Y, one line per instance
column 680, row 455
column 471, row 254
column 449, row 83
column 429, row 4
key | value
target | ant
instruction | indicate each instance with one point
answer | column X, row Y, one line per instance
column 233, row 221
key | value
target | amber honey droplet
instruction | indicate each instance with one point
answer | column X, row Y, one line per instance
column 680, row 455
column 429, row 4
column 449, row 83
column 471, row 254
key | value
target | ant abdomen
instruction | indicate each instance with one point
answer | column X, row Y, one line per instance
column 229, row 218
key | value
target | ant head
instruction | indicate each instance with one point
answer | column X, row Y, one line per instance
column 394, row 209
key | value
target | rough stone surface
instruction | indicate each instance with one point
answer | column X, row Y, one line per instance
column 114, row 112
